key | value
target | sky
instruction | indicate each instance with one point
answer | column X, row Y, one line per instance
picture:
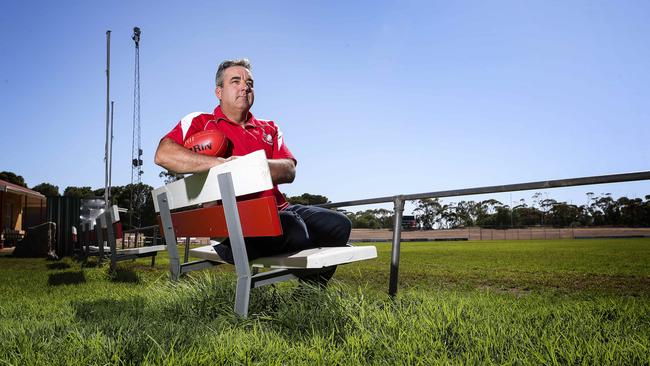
column 374, row 98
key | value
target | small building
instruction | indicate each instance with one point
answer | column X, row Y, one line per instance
column 409, row 222
column 20, row 208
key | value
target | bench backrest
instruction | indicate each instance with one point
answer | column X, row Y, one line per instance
column 249, row 173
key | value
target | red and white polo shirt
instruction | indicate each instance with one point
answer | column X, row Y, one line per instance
column 255, row 135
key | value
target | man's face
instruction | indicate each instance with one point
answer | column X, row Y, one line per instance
column 237, row 91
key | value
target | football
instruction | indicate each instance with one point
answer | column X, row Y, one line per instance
column 209, row 142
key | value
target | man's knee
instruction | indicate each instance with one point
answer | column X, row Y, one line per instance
column 325, row 227
column 342, row 226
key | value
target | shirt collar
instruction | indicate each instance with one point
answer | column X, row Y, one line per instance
column 219, row 115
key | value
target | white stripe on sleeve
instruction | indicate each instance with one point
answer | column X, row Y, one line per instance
column 186, row 122
column 280, row 139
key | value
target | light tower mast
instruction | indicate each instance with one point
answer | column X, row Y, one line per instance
column 137, row 196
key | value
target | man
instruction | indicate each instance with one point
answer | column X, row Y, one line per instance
column 303, row 226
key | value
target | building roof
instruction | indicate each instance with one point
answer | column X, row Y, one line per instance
column 15, row 188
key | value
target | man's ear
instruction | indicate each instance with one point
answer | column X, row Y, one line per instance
column 217, row 92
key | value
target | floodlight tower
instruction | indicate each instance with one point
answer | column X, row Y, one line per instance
column 137, row 199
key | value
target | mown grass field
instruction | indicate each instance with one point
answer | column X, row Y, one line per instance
column 518, row 302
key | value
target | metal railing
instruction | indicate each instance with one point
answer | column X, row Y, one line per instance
column 399, row 200
column 138, row 237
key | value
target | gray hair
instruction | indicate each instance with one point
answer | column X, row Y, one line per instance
column 229, row 63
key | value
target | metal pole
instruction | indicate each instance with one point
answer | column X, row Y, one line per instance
column 570, row 182
column 397, row 237
column 110, row 152
column 108, row 83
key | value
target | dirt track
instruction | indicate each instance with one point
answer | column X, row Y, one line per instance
column 476, row 233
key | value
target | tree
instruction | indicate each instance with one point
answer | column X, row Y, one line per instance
column 429, row 213
column 545, row 206
column 138, row 199
column 47, row 189
column 169, row 176
column 13, row 178
column 503, row 216
column 371, row 219
column 563, row 214
column 81, row 192
column 486, row 212
column 524, row 215
column 633, row 212
column 307, row 199
column 605, row 210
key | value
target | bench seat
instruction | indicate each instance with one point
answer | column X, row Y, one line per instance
column 141, row 250
column 108, row 229
column 305, row 259
column 94, row 249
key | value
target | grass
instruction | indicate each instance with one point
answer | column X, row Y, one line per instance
column 500, row 302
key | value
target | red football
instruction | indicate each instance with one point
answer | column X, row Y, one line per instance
column 209, row 142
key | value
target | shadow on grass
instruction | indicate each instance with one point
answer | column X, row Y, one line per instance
column 89, row 263
column 66, row 278
column 124, row 275
column 58, row 265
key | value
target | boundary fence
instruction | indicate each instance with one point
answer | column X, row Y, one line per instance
column 399, row 200
column 482, row 233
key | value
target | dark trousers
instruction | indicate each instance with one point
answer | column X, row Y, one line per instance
column 303, row 227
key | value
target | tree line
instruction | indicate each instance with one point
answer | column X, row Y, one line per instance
column 432, row 213
column 130, row 195
column 600, row 210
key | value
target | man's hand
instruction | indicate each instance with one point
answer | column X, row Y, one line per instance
column 176, row 158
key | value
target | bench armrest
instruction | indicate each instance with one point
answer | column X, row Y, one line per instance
column 250, row 174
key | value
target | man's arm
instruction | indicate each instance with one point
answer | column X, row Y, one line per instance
column 282, row 170
column 178, row 159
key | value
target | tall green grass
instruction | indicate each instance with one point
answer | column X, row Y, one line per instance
column 537, row 302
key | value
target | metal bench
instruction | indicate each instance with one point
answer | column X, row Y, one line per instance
column 113, row 232
column 236, row 220
column 10, row 237
column 90, row 232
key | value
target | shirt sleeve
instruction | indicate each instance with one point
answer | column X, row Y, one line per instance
column 186, row 127
column 280, row 149
column 176, row 134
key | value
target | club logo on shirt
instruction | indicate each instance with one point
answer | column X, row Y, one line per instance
column 267, row 137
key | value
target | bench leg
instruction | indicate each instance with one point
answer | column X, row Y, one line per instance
column 170, row 236
column 242, row 295
column 186, row 254
column 100, row 239
column 87, row 236
column 110, row 233
column 236, row 243
column 153, row 259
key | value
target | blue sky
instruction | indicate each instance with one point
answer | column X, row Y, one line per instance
column 374, row 98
